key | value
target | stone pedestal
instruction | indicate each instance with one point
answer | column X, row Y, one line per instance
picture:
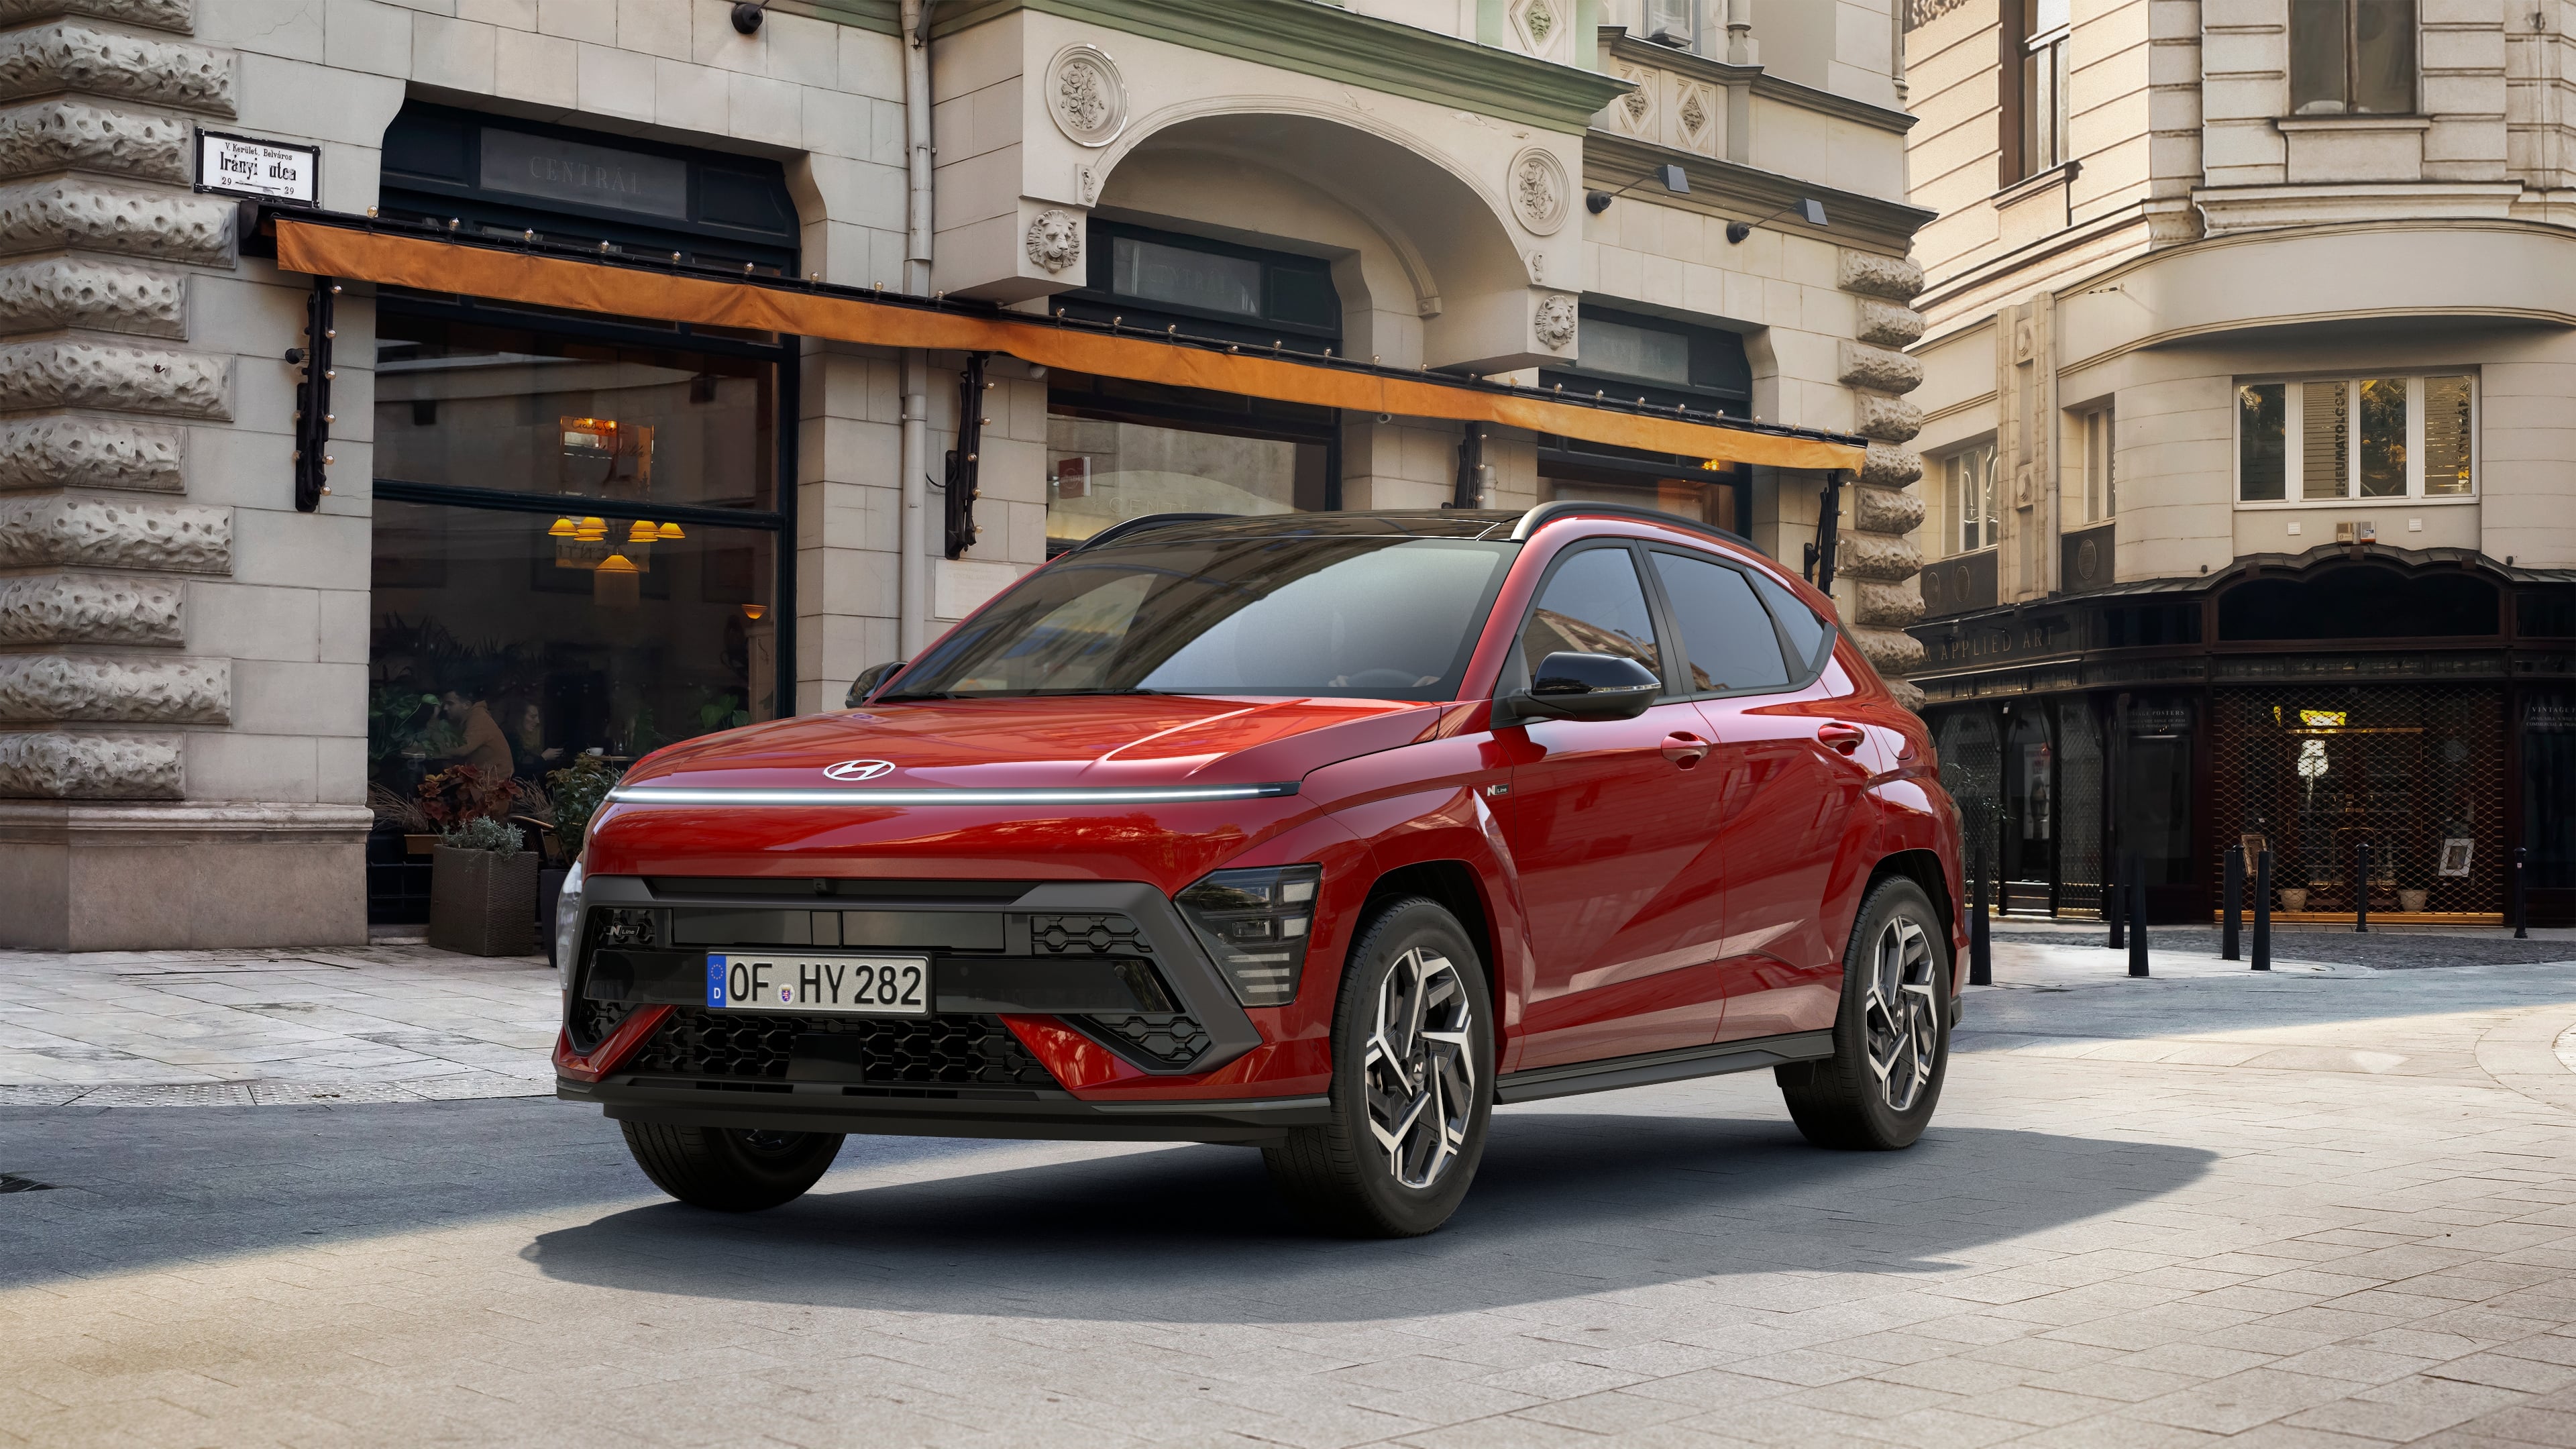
column 78, row 876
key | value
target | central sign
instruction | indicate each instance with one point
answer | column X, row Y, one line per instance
column 563, row 170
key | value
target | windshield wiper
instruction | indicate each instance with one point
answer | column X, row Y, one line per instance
column 914, row 694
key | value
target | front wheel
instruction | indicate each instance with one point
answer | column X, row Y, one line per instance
column 728, row 1169
column 1891, row 1037
column 1413, row 1084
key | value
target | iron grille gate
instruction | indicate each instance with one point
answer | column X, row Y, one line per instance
column 2416, row 771
column 1971, row 762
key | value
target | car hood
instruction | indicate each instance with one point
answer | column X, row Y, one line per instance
column 1064, row 742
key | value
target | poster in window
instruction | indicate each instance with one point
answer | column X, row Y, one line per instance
column 1073, row 478
column 2455, row 855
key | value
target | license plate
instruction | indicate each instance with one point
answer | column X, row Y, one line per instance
column 819, row 985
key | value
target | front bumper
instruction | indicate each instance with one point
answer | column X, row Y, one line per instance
column 1036, row 1113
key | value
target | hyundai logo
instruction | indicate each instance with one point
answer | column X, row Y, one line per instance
column 859, row 769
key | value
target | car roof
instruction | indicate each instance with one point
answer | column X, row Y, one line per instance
column 1513, row 524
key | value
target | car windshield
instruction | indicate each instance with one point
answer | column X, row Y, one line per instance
column 1369, row 617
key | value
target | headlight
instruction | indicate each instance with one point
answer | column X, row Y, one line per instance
column 568, row 907
column 1255, row 923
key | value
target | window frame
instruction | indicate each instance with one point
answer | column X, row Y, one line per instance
column 1991, row 521
column 1801, row 673
column 2351, row 53
column 2027, row 53
column 2293, row 455
column 2098, row 436
column 1515, row 676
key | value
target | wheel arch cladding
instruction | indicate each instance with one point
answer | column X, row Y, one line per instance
column 1923, row 867
column 1452, row 884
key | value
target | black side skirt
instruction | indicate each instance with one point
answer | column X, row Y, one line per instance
column 1575, row 1078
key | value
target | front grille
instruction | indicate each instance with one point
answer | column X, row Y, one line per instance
column 935, row 1051
column 1051, row 935
column 1161, row 1040
column 592, row 1021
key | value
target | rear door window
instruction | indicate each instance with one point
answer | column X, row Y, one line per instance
column 1727, row 641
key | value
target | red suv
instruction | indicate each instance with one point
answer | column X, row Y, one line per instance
column 1320, row 832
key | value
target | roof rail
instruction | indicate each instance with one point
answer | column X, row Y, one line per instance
column 1547, row 513
column 1125, row 526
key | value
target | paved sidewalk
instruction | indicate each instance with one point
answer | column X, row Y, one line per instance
column 217, row 1028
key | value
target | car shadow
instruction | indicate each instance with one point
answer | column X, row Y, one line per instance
column 1566, row 1203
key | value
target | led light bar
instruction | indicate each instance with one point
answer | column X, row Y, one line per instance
column 860, row 796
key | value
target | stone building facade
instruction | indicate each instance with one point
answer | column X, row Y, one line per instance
column 551, row 532
column 2247, row 359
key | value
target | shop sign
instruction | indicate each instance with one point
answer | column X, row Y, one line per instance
column 249, row 166
column 2549, row 716
column 561, row 170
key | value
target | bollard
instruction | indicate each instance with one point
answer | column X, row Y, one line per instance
column 2115, row 900
column 1981, row 941
column 2361, row 890
column 2521, row 913
column 2263, row 909
column 2232, row 862
column 2137, row 916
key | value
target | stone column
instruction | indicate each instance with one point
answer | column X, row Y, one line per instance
column 1876, row 552
column 104, row 678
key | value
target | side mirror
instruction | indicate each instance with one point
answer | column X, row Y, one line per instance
column 1588, row 686
column 869, row 678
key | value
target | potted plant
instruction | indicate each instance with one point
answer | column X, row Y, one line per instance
column 577, row 791
column 2294, row 898
column 2411, row 900
column 483, row 891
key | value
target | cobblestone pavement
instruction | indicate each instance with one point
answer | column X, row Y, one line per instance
column 214, row 1028
column 2331, row 1207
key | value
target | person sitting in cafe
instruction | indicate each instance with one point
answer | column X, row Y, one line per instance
column 485, row 747
column 525, row 724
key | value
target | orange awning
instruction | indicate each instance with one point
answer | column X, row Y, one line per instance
column 625, row 291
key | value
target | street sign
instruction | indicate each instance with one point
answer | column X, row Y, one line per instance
column 250, row 166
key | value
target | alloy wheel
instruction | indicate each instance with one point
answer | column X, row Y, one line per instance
column 1419, row 1072
column 1902, row 1012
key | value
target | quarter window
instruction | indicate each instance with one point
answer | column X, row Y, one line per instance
column 1727, row 638
column 2356, row 438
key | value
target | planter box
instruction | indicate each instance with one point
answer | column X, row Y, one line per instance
column 483, row 904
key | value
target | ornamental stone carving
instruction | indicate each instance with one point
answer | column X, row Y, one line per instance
column 62, row 292
column 1884, row 510
column 1538, row 23
column 1888, row 466
column 1086, row 96
column 1055, row 239
column 1889, row 606
column 1861, row 365
column 1888, row 419
column 115, row 533
column 71, row 452
column 1894, row 278
column 89, row 609
column 1891, row 653
column 81, row 374
column 1539, row 190
column 1885, row 323
column 75, row 211
column 1876, row 556
column 115, row 689
column 1555, row 323
column 55, row 134
column 159, row 14
column 68, row 57
column 54, row 766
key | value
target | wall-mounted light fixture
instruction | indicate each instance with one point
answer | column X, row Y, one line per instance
column 1671, row 176
column 747, row 16
column 1809, row 210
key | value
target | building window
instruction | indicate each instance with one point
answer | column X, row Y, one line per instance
column 2352, row 57
column 1968, row 499
column 1673, row 23
column 1638, row 357
column 2100, row 447
column 2045, row 39
column 1155, row 280
column 2356, row 438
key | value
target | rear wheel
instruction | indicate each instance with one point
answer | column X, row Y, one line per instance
column 1891, row 1037
column 1413, row 1047
column 731, row 1170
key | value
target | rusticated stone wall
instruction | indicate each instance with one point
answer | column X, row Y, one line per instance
column 100, row 245
column 1876, row 552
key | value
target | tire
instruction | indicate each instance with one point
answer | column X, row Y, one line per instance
column 731, row 1170
column 1891, row 1036
column 1414, row 1018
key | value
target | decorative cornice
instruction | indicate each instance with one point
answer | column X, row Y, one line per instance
column 1745, row 193
column 1325, row 41
column 1616, row 41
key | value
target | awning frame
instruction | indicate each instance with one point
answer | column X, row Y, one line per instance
column 533, row 270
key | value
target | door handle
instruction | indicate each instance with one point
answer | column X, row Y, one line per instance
column 1684, row 748
column 1841, row 738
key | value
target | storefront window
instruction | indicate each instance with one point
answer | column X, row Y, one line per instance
column 575, row 549
column 2355, row 438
